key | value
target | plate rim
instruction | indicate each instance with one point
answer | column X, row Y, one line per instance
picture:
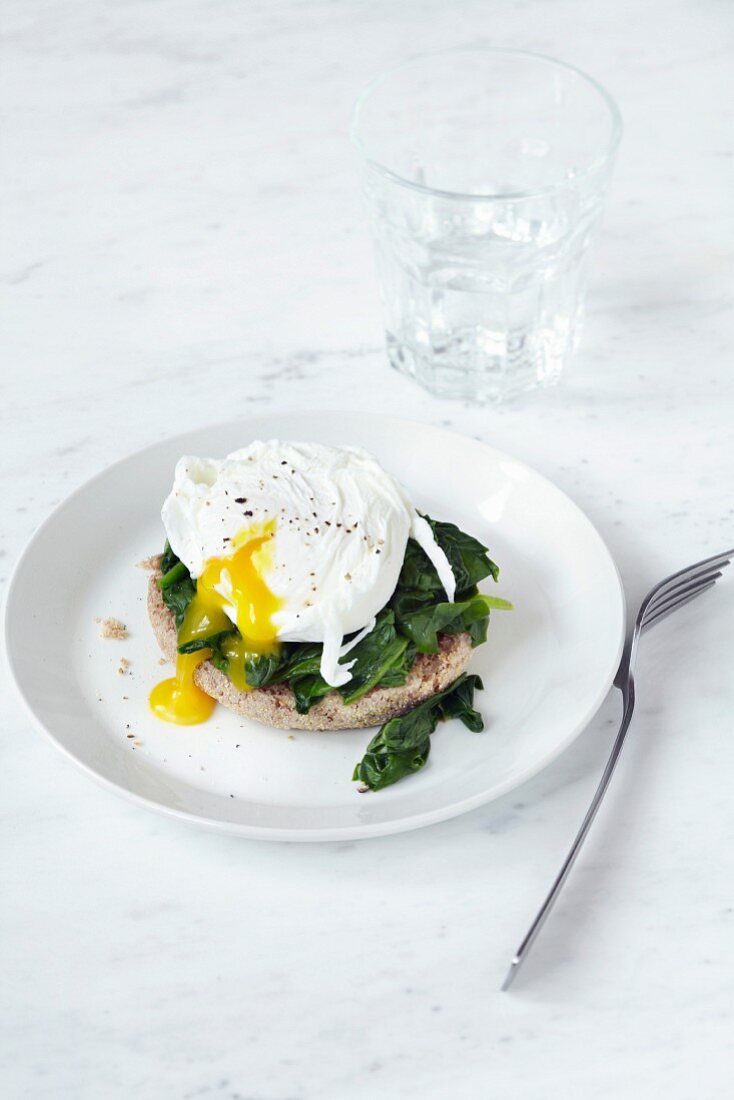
column 320, row 834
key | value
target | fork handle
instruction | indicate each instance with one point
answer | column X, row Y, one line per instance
column 524, row 949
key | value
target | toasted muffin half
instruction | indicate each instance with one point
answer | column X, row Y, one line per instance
column 275, row 706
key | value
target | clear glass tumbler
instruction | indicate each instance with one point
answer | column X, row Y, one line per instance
column 485, row 172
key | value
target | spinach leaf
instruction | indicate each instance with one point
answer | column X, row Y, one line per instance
column 168, row 559
column 417, row 575
column 402, row 745
column 380, row 767
column 459, row 703
column 211, row 641
column 421, row 609
column 220, row 661
column 419, row 584
column 176, row 573
column 178, row 596
column 382, row 657
column 305, row 660
column 176, row 585
column 398, row 673
column 382, row 651
column 207, row 630
column 424, row 625
column 307, row 690
column 467, row 556
column 263, row 668
column 302, row 671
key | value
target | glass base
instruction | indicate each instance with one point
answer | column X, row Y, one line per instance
column 457, row 371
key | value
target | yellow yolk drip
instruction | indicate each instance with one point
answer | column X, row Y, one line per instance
column 234, row 582
column 241, row 577
column 179, row 699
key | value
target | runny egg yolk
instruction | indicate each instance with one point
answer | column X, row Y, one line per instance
column 235, row 582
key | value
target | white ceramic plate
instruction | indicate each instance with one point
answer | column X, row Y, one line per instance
column 546, row 668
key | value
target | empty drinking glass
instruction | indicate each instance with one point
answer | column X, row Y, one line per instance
column 485, row 172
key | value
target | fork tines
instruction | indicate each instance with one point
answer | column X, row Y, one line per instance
column 683, row 587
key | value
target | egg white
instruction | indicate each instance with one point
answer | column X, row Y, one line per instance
column 341, row 528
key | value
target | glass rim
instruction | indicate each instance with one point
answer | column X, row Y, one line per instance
column 464, row 196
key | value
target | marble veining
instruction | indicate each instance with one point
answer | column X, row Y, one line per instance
column 184, row 242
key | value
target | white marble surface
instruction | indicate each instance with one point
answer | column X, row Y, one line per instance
column 183, row 240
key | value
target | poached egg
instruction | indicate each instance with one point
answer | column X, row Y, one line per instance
column 289, row 542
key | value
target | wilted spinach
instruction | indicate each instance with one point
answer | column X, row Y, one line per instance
column 402, row 745
column 413, row 622
column 382, row 657
column 177, row 586
column 424, row 625
column 422, row 611
column 468, row 557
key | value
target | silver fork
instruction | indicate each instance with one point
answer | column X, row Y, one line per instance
column 662, row 600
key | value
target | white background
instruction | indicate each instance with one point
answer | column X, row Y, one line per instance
column 182, row 242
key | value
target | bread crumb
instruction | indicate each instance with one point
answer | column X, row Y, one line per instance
column 291, row 737
column 150, row 564
column 123, row 666
column 162, row 661
column 112, row 628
